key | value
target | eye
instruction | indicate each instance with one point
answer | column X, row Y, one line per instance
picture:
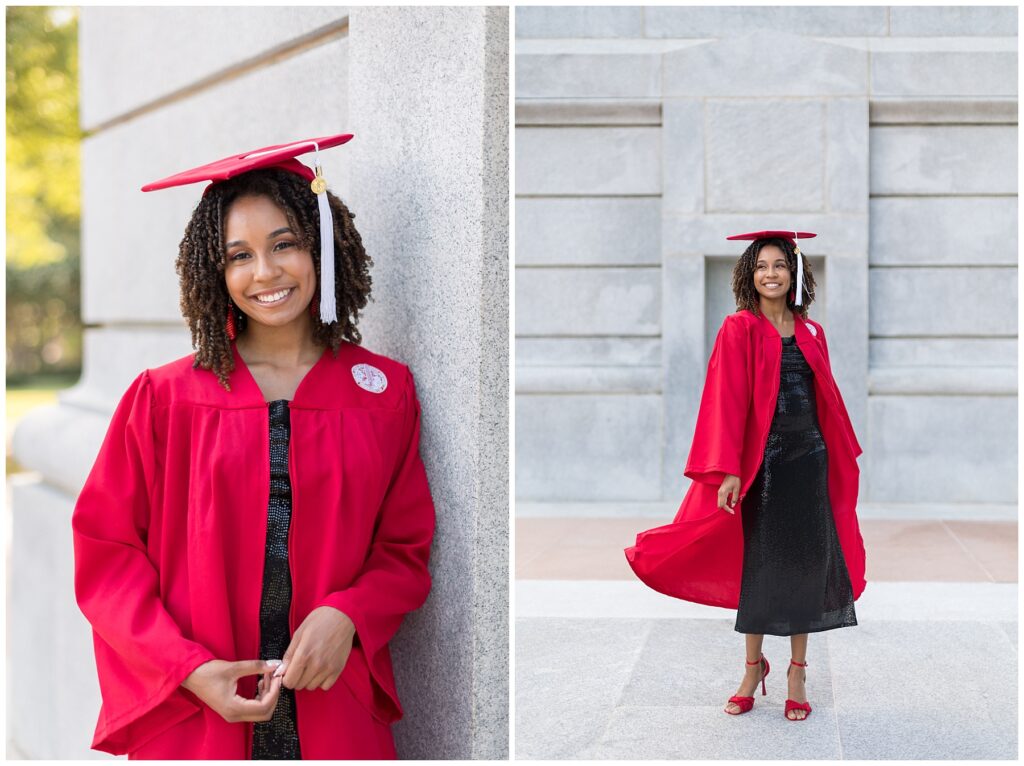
column 284, row 244
column 238, row 256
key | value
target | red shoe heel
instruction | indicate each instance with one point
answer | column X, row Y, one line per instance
column 746, row 703
column 793, row 704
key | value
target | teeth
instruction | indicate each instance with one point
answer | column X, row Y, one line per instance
column 273, row 297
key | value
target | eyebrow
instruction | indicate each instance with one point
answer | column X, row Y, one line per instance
column 271, row 235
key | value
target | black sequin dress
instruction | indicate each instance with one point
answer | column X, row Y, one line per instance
column 794, row 575
column 278, row 738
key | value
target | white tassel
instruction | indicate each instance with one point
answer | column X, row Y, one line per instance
column 799, row 270
column 328, row 303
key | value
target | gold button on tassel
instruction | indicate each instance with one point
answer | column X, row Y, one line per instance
column 318, row 184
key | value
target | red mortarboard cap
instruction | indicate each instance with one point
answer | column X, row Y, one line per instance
column 773, row 233
column 281, row 156
column 792, row 236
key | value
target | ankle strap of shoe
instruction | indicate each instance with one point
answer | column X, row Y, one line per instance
column 757, row 661
column 798, row 664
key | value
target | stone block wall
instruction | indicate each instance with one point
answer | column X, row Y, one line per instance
column 647, row 134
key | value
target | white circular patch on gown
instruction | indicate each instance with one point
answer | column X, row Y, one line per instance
column 813, row 329
column 370, row 378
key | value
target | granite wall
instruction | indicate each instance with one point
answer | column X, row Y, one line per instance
column 168, row 88
column 645, row 135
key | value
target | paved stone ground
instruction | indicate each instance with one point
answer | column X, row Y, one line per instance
column 608, row 669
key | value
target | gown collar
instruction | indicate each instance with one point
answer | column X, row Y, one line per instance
column 249, row 393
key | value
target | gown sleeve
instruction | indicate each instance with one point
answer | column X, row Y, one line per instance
column 717, row 447
column 141, row 654
column 394, row 579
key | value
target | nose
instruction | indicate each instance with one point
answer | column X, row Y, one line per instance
column 266, row 268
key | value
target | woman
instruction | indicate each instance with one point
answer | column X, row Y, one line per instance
column 258, row 520
column 773, row 434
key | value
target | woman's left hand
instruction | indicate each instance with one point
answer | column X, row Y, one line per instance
column 319, row 650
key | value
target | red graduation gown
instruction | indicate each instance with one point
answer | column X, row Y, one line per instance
column 699, row 557
column 169, row 537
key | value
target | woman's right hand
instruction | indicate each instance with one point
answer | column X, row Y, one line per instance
column 216, row 683
column 730, row 486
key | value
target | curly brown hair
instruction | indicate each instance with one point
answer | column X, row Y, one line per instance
column 201, row 260
column 743, row 287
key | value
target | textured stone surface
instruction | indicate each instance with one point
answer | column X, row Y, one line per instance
column 683, row 151
column 195, row 43
column 609, row 231
column 704, row 732
column 944, row 230
column 591, row 111
column 974, row 301
column 948, row 159
column 148, row 227
column 44, row 622
column 952, row 380
column 844, row 313
column 588, row 161
column 985, row 602
column 687, row 324
column 574, row 379
column 924, row 731
column 61, row 442
column 953, row 21
column 846, row 160
column 591, row 301
column 430, row 180
column 550, row 681
column 895, row 109
column 579, row 21
column 706, row 234
column 114, row 355
column 598, row 75
column 765, row 155
column 726, row 21
column 939, row 352
column 941, row 449
column 587, row 351
column 943, row 73
column 741, row 66
column 949, row 100
column 683, row 660
column 588, row 447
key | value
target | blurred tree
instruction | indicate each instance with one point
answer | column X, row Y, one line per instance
column 43, row 205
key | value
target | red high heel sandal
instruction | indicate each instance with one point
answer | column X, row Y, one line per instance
column 746, row 703
column 792, row 704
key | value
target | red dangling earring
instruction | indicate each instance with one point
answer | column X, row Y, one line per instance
column 792, row 295
column 314, row 304
column 230, row 324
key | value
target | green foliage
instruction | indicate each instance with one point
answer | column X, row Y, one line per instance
column 43, row 200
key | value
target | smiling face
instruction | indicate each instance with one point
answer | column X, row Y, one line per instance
column 268, row 275
column 771, row 273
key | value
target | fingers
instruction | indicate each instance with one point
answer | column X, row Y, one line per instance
column 303, row 676
column 262, row 707
column 244, row 668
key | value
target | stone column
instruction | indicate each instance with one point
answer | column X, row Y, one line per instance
column 430, row 192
